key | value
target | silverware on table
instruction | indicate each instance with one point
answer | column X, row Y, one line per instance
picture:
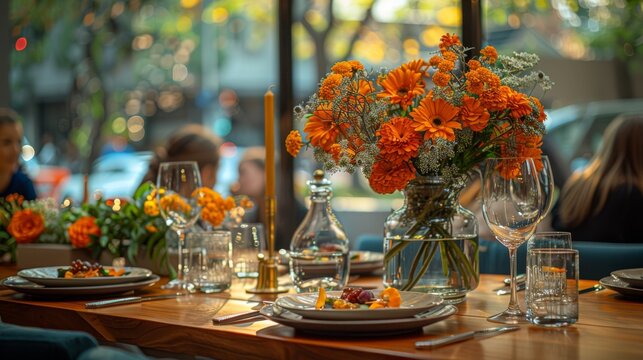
column 506, row 290
column 128, row 300
column 519, row 279
column 429, row 344
column 595, row 288
column 230, row 318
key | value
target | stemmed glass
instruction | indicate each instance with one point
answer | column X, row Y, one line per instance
column 546, row 180
column 511, row 205
column 177, row 183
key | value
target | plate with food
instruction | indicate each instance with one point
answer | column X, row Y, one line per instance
column 358, row 304
column 84, row 273
column 25, row 286
column 358, row 328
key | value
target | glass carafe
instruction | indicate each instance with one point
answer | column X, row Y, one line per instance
column 319, row 250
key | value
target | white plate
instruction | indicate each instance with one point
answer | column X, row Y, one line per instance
column 634, row 277
column 621, row 287
column 19, row 284
column 304, row 304
column 49, row 276
column 358, row 327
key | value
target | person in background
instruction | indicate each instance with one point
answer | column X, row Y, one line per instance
column 604, row 201
column 12, row 179
column 190, row 143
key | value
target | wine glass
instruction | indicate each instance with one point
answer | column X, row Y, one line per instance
column 177, row 183
column 546, row 180
column 511, row 205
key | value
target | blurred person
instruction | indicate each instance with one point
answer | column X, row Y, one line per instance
column 190, row 143
column 604, row 201
column 252, row 183
column 12, row 179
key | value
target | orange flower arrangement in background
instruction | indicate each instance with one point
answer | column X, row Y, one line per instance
column 81, row 231
column 439, row 117
column 26, row 226
column 214, row 207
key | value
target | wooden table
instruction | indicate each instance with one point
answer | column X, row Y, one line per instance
column 610, row 326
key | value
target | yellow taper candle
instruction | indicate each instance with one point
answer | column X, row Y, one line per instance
column 269, row 114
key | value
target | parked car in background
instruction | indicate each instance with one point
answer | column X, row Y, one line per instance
column 577, row 130
column 113, row 175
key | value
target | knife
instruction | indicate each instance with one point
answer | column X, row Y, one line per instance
column 430, row 344
column 519, row 279
column 128, row 300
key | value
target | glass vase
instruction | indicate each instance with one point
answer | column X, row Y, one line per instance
column 431, row 242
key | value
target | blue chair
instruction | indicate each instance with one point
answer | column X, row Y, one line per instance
column 369, row 242
column 20, row 342
column 597, row 259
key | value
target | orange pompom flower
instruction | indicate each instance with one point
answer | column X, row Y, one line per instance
column 26, row 226
column 518, row 104
column 435, row 60
column 473, row 114
column 387, row 177
column 489, row 54
column 542, row 116
column 495, row 99
column 437, row 118
column 293, row 143
column 447, row 40
column 81, row 232
column 328, row 89
column 399, row 142
column 401, row 86
column 151, row 208
column 441, row 79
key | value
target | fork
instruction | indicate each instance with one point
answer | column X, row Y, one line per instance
column 595, row 288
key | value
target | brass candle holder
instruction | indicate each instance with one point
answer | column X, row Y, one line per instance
column 267, row 282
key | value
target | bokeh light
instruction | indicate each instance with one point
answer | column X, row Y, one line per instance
column 119, row 125
column 21, row 43
column 28, row 152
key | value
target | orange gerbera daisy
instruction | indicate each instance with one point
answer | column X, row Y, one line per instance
column 418, row 66
column 387, row 177
column 437, row 118
column 401, row 86
column 489, row 54
column 321, row 128
column 293, row 143
column 329, row 86
column 518, row 104
column 473, row 114
column 398, row 140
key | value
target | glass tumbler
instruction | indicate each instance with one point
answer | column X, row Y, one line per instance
column 546, row 240
column 552, row 279
column 210, row 260
column 248, row 240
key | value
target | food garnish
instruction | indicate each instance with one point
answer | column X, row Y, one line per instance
column 358, row 298
column 85, row 269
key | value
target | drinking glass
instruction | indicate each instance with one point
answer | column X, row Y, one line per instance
column 544, row 240
column 248, row 240
column 176, row 185
column 511, row 203
column 552, row 287
column 210, row 260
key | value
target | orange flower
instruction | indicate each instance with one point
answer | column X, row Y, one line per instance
column 441, row 79
column 509, row 168
column 246, row 203
column 489, row 54
column 174, row 202
column 15, row 198
column 347, row 68
column 541, row 110
column 321, row 129
column 401, row 86
column 473, row 114
column 151, row 228
column 151, row 208
column 446, row 66
column 435, row 60
column 449, row 55
column 529, row 146
column 447, row 40
column 293, row 143
column 387, row 177
column 473, row 64
column 518, row 104
column 418, row 66
column 329, row 86
column 495, row 99
column 354, row 146
column 436, row 118
column 26, row 226
column 398, row 140
column 81, row 231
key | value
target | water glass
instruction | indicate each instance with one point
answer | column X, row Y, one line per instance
column 248, row 240
column 552, row 279
column 210, row 260
column 547, row 240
